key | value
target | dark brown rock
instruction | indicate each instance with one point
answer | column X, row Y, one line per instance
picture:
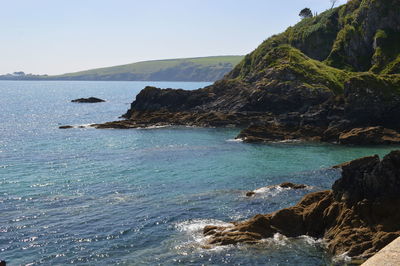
column 250, row 194
column 279, row 132
column 292, row 185
column 88, row 100
column 65, row 127
column 369, row 178
column 370, row 135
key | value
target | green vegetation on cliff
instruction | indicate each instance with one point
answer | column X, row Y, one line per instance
column 326, row 50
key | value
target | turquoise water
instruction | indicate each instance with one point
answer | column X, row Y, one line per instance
column 140, row 197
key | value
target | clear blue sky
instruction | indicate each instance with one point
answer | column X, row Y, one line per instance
column 58, row 36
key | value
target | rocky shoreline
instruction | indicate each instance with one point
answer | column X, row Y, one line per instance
column 278, row 107
column 334, row 77
column 330, row 121
column 358, row 217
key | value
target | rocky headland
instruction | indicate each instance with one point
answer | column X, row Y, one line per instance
column 358, row 217
column 334, row 77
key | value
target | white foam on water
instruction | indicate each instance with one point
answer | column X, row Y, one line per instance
column 311, row 240
column 42, row 185
column 197, row 225
column 194, row 228
column 155, row 127
column 234, row 140
column 274, row 190
column 270, row 190
column 341, row 258
column 288, row 141
column 277, row 239
column 85, row 126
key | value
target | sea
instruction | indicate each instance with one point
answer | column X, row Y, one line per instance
column 142, row 196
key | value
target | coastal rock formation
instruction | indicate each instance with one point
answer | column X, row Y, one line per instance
column 370, row 135
column 358, row 217
column 88, row 100
column 323, row 77
column 142, row 119
column 284, row 132
column 279, row 132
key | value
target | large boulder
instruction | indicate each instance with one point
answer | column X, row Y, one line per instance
column 369, row 178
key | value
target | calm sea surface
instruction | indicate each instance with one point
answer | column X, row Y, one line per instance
column 140, row 197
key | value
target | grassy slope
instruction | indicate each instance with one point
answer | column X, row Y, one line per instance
column 148, row 67
column 315, row 50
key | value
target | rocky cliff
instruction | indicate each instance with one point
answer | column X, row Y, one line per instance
column 328, row 74
column 358, row 217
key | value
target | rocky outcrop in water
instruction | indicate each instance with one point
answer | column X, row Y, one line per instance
column 88, row 100
column 287, row 185
column 358, row 217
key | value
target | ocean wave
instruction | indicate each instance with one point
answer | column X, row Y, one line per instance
column 277, row 240
column 79, row 126
column 311, row 240
column 289, row 141
column 194, row 229
column 270, row 190
column 274, row 190
column 342, row 258
column 155, row 127
column 42, row 185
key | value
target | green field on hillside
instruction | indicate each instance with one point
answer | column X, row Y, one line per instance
column 186, row 69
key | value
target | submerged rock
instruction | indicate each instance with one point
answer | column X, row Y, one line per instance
column 283, row 185
column 358, row 217
column 88, row 100
column 250, row 194
column 292, row 185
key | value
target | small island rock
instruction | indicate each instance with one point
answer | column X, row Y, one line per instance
column 88, row 100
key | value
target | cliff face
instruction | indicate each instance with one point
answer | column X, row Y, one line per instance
column 335, row 71
column 357, row 217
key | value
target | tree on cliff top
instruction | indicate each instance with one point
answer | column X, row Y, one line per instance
column 333, row 2
column 306, row 13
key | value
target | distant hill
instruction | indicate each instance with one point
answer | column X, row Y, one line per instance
column 185, row 69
